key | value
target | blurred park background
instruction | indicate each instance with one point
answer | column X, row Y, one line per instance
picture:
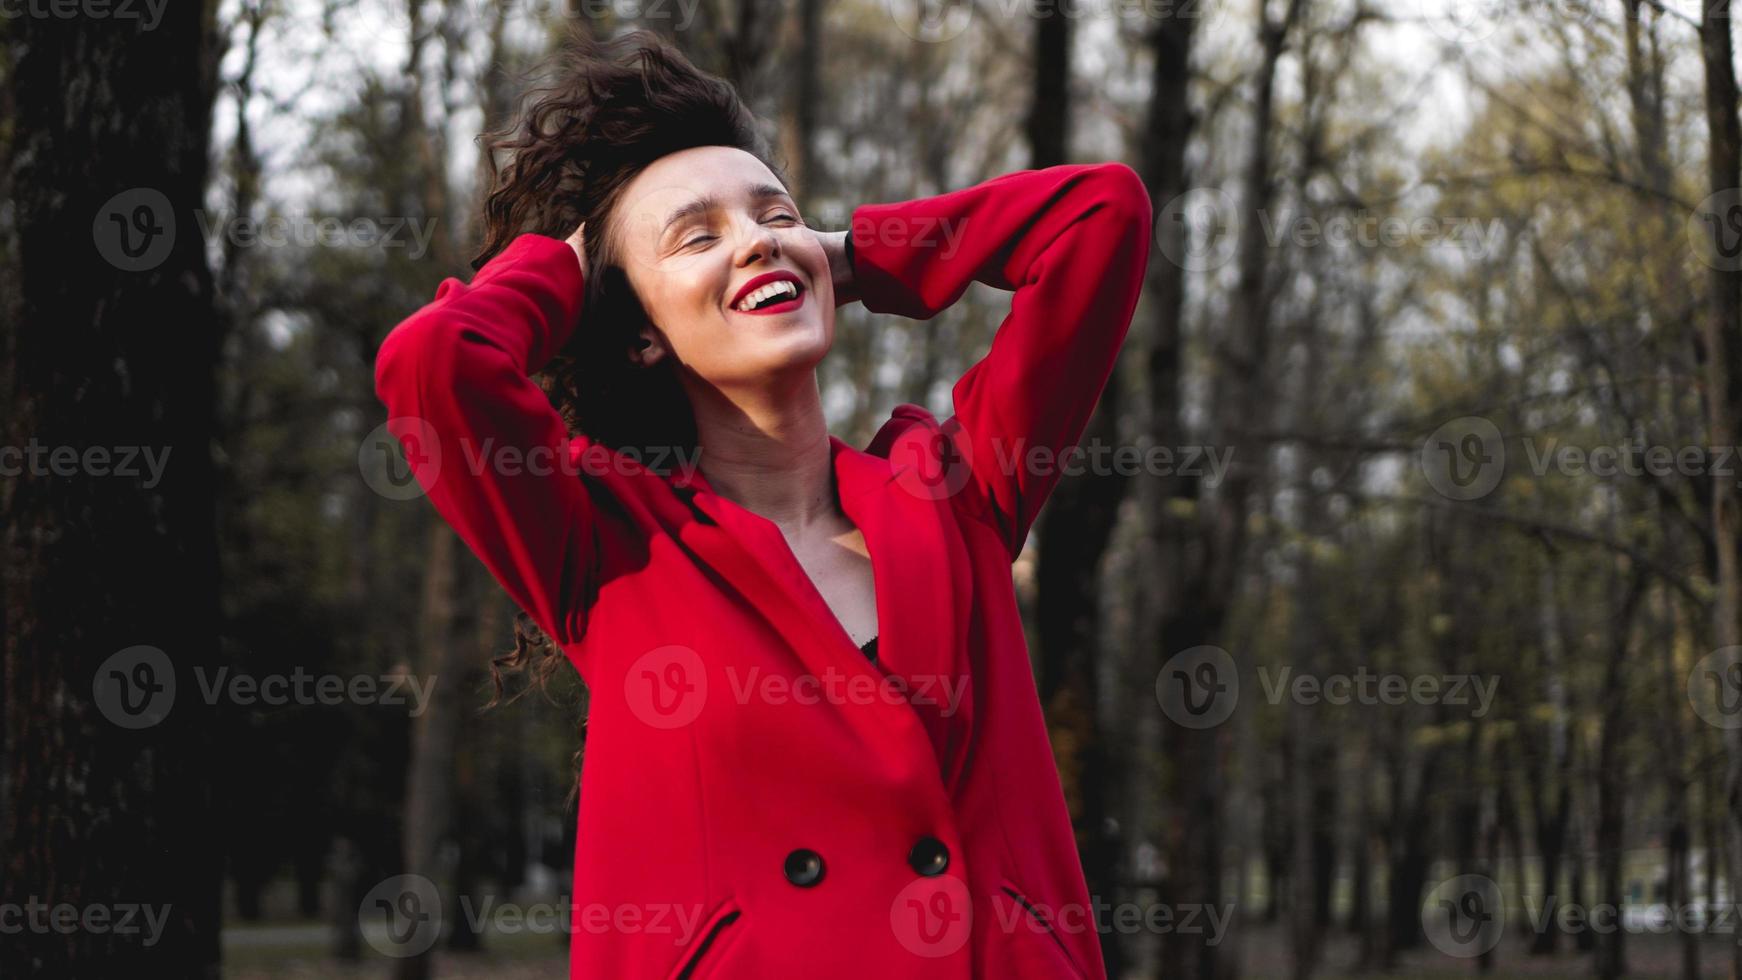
column 1392, row 626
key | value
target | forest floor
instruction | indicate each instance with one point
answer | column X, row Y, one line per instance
column 1648, row 956
column 298, row 953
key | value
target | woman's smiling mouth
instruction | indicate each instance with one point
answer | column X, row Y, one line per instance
column 769, row 294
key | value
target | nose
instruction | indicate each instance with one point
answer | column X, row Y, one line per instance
column 754, row 242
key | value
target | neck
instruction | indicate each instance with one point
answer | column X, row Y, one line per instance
column 768, row 451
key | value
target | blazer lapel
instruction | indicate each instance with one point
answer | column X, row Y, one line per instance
column 919, row 567
column 923, row 594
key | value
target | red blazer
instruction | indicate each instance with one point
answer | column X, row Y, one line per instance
column 758, row 799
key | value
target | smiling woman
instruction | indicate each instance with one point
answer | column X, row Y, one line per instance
column 582, row 138
column 668, row 166
column 813, row 729
column 700, row 231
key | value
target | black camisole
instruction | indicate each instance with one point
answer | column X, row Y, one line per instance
column 869, row 649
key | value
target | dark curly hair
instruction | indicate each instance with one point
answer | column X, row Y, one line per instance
column 602, row 112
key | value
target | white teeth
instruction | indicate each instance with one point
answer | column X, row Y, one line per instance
column 783, row 286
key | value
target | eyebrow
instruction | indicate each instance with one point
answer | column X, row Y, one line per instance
column 759, row 192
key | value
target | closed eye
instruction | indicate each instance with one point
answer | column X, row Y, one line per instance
column 781, row 216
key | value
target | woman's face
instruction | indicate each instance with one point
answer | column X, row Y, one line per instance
column 693, row 230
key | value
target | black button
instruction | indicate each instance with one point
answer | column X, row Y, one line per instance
column 929, row 857
column 804, row 867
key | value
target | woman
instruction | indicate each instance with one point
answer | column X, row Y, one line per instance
column 814, row 744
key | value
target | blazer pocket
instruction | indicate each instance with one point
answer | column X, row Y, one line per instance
column 1038, row 918
column 712, row 935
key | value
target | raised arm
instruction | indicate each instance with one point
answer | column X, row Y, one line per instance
column 456, row 371
column 1073, row 242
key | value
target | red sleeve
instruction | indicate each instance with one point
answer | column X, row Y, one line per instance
column 455, row 373
column 1072, row 241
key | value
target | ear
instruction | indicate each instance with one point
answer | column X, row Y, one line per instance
column 649, row 347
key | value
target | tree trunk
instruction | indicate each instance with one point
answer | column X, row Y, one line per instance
column 1361, row 844
column 1312, row 760
column 1407, row 856
column 1612, row 781
column 1191, row 782
column 804, row 102
column 1550, row 783
column 110, row 606
column 1678, row 832
column 429, row 792
column 1722, row 337
column 1073, row 535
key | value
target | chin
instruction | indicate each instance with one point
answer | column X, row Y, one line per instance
column 798, row 350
